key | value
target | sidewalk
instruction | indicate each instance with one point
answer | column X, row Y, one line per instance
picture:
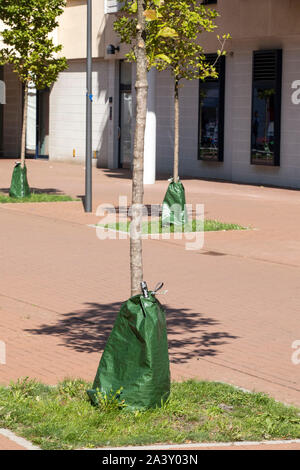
column 7, row 444
column 232, row 307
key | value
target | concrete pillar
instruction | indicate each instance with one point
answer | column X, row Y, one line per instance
column 150, row 133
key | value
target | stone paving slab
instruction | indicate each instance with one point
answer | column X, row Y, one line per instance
column 10, row 441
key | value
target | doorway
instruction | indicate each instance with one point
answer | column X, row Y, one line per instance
column 42, row 126
column 37, row 133
column 125, row 116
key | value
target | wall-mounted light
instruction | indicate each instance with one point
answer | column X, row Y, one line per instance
column 111, row 49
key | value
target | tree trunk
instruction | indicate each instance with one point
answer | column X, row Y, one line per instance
column 24, row 125
column 176, row 131
column 141, row 86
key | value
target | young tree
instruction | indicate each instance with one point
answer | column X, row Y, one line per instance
column 135, row 35
column 29, row 47
column 176, row 26
column 175, row 29
column 171, row 39
column 171, row 36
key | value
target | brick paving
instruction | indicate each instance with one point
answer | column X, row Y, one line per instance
column 232, row 305
column 7, row 444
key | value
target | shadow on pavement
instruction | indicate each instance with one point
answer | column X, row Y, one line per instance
column 37, row 191
column 124, row 173
column 88, row 330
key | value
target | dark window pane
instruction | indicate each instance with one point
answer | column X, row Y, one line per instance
column 266, row 108
column 125, row 75
column 263, row 123
column 211, row 113
column 209, row 121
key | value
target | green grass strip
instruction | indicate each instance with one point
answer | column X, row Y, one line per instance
column 62, row 417
column 36, row 197
column 155, row 227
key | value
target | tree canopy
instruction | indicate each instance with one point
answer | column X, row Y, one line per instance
column 28, row 45
column 172, row 35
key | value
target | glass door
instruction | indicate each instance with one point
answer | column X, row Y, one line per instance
column 125, row 122
column 37, row 132
column 42, row 125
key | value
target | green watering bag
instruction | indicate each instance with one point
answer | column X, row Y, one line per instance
column 19, row 187
column 173, row 208
column 136, row 358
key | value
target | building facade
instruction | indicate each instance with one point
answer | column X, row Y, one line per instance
column 243, row 127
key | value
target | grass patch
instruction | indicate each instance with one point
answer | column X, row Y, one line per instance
column 36, row 197
column 62, row 417
column 155, row 227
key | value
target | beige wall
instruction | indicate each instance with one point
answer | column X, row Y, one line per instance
column 72, row 29
column 260, row 18
column 68, row 111
column 246, row 20
column 243, row 19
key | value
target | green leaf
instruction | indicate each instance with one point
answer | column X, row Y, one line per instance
column 133, row 8
column 167, row 32
column 163, row 57
column 150, row 15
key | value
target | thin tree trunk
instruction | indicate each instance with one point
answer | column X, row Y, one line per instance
column 141, row 86
column 176, row 131
column 24, row 125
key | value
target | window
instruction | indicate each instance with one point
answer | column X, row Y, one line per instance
column 266, row 108
column 211, row 114
column 209, row 2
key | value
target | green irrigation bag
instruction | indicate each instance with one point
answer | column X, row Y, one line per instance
column 19, row 187
column 135, row 359
column 173, row 208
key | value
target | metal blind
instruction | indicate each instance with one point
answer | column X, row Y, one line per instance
column 265, row 64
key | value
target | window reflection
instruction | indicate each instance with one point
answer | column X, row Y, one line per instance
column 263, row 116
column 266, row 107
column 211, row 113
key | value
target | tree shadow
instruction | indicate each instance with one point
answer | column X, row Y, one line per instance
column 126, row 173
column 148, row 209
column 54, row 191
column 87, row 330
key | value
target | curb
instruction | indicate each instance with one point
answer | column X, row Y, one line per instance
column 18, row 440
column 29, row 446
column 202, row 445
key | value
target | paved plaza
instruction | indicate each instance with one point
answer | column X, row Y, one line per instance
column 232, row 306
